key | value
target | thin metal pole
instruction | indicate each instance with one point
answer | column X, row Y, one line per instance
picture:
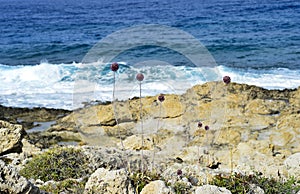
column 117, row 123
column 142, row 129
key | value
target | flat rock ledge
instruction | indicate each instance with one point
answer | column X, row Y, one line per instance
column 250, row 130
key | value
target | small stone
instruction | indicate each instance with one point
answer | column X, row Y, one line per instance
column 193, row 180
column 211, row 189
column 256, row 189
column 156, row 187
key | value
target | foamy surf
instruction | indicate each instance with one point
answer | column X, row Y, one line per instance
column 69, row 86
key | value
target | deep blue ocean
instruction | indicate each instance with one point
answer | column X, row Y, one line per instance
column 43, row 44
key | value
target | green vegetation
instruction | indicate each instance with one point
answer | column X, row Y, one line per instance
column 57, row 164
column 64, row 165
column 181, row 187
column 65, row 186
column 139, row 179
column 238, row 183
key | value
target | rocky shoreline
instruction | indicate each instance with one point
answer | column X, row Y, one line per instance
column 249, row 130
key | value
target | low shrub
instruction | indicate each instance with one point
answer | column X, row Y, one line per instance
column 238, row 183
column 65, row 186
column 57, row 164
column 139, row 180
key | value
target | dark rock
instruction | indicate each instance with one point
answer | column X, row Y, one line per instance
column 27, row 116
column 43, row 140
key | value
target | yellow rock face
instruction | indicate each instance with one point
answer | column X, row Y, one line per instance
column 281, row 139
column 254, row 122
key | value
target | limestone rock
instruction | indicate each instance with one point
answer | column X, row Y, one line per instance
column 172, row 107
column 123, row 130
column 156, row 187
column 211, row 189
column 265, row 107
column 293, row 162
column 256, row 189
column 104, row 157
column 258, row 122
column 30, row 149
column 10, row 137
column 134, row 142
column 281, row 138
column 12, row 183
column 295, row 98
column 105, row 181
column 289, row 123
column 105, row 115
column 258, row 127
column 228, row 136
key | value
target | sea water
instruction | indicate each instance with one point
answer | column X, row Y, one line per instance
column 43, row 45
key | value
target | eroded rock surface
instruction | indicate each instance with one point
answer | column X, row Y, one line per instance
column 12, row 183
column 110, row 182
column 258, row 128
column 10, row 137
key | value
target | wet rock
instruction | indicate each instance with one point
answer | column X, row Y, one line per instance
column 43, row 140
column 27, row 116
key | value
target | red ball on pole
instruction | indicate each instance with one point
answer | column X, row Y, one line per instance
column 200, row 124
column 140, row 77
column 161, row 98
column 226, row 79
column 114, row 66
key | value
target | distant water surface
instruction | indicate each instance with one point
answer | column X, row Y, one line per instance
column 42, row 44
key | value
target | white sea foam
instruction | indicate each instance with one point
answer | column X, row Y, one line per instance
column 69, row 85
column 279, row 78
